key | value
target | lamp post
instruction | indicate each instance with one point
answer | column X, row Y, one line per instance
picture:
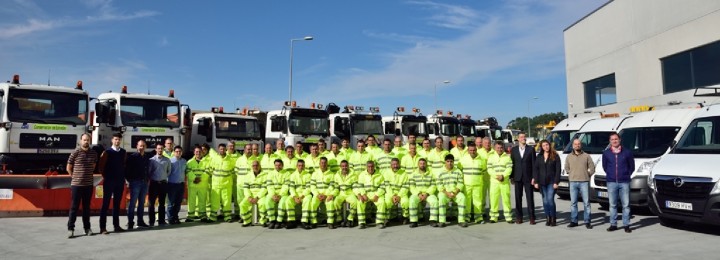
column 444, row 82
column 528, row 116
column 306, row 38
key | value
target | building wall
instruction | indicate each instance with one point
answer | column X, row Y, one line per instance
column 628, row 38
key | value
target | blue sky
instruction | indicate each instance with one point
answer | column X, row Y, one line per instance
column 497, row 55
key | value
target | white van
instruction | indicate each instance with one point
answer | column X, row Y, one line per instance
column 648, row 135
column 595, row 137
column 685, row 183
column 560, row 137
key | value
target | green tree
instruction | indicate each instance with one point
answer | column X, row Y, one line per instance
column 521, row 123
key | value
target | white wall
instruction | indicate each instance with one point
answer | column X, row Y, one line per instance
column 628, row 38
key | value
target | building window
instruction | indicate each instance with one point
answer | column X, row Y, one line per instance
column 600, row 91
column 695, row 68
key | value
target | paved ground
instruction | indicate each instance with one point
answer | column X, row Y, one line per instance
column 45, row 238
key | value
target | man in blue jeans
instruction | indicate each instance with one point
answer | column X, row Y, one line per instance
column 619, row 165
column 136, row 174
column 579, row 167
column 176, row 185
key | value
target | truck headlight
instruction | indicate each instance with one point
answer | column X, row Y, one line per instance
column 646, row 167
column 716, row 188
column 650, row 181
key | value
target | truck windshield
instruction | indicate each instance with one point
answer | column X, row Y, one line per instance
column 592, row 142
column 560, row 139
column 237, row 128
column 149, row 112
column 308, row 124
column 362, row 126
column 701, row 137
column 648, row 142
column 413, row 128
column 35, row 106
column 467, row 129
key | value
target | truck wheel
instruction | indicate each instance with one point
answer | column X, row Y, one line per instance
column 668, row 222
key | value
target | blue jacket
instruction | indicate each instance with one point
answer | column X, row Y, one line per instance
column 618, row 167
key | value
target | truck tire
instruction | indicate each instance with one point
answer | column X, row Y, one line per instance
column 668, row 222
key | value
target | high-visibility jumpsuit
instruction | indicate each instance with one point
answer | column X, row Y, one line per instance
column 290, row 164
column 396, row 184
column 276, row 185
column 197, row 192
column 473, row 172
column 436, row 161
column 222, row 186
column 451, row 181
column 334, row 160
column 399, row 151
column 499, row 165
column 409, row 163
column 347, row 152
column 484, row 171
column 458, row 153
column 254, row 186
column 344, row 193
column 358, row 160
column 321, row 182
column 301, row 156
column 267, row 162
column 422, row 183
column 424, row 154
column 298, row 187
column 241, row 171
column 312, row 163
column 371, row 186
column 383, row 160
column 374, row 150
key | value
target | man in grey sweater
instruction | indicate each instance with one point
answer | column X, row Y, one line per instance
column 579, row 167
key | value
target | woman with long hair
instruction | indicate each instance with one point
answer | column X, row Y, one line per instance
column 547, row 177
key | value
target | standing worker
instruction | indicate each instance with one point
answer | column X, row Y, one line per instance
column 547, row 177
column 619, row 164
column 168, row 148
column 471, row 165
column 359, row 158
column 159, row 172
column 198, row 177
column 436, row 157
column 499, row 168
column 222, row 168
column 460, row 150
column 176, row 185
column 579, row 167
column 136, row 174
column 80, row 166
column 267, row 159
column 523, row 159
column 112, row 165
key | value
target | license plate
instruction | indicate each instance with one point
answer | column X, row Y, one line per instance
column 602, row 194
column 563, row 184
column 678, row 205
column 47, row 150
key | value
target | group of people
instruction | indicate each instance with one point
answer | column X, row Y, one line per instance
column 371, row 183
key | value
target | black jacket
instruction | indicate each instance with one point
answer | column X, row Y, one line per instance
column 522, row 166
column 547, row 172
column 136, row 166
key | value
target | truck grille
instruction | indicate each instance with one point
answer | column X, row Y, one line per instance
column 688, row 190
column 150, row 141
column 44, row 141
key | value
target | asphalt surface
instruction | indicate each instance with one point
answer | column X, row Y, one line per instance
column 46, row 238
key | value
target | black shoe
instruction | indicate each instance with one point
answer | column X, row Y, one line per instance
column 612, row 228
column 548, row 221
column 246, row 224
column 313, row 226
column 434, row 224
column 162, row 223
column 573, row 224
column 331, row 226
column 143, row 225
column 414, row 225
column 306, row 226
column 188, row 220
column 493, row 221
column 290, row 225
column 118, row 229
column 463, row 225
column 628, row 230
column 363, row 226
column 344, row 224
column 588, row 226
column 442, row 224
column 266, row 224
column 130, row 226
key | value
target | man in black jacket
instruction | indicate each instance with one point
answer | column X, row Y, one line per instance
column 136, row 174
column 523, row 159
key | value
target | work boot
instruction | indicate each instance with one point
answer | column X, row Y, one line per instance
column 290, row 225
column 143, row 225
column 103, row 232
column 130, row 225
column 442, row 224
column 188, row 220
column 414, row 225
column 554, row 222
column 246, row 224
column 573, row 224
column 331, row 226
column 434, row 224
column 588, row 226
column 88, row 232
column 532, row 221
column 306, row 226
column 463, row 225
column 363, row 226
column 118, row 229
column 382, row 225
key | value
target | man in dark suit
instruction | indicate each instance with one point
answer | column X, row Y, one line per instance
column 523, row 158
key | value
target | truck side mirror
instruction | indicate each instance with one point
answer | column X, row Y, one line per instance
column 105, row 112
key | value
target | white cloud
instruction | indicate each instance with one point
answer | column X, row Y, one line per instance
column 31, row 26
column 451, row 16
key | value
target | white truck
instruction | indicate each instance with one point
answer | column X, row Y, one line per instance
column 595, row 137
column 467, row 129
column 216, row 126
column 445, row 127
column 354, row 123
column 152, row 118
column 41, row 125
column 561, row 136
column 404, row 124
column 685, row 183
column 648, row 135
column 295, row 124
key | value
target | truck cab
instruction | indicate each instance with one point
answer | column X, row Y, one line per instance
column 404, row 124
column 136, row 116
column 467, row 129
column 40, row 125
column 595, row 138
column 216, row 127
column 295, row 124
column 648, row 135
column 445, row 127
column 354, row 123
column 490, row 128
column 685, row 183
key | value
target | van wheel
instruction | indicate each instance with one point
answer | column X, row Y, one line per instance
column 668, row 222
column 604, row 205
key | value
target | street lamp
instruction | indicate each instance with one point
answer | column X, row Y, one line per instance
column 528, row 116
column 306, row 38
column 444, row 82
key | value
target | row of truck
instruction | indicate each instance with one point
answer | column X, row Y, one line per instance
column 676, row 147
